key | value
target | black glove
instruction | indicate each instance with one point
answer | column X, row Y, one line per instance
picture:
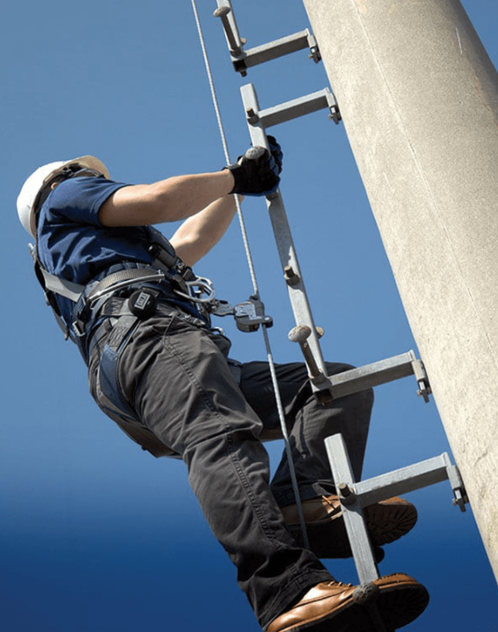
column 256, row 172
column 276, row 152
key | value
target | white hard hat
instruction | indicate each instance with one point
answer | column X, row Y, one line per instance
column 33, row 186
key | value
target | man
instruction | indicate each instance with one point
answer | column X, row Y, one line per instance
column 141, row 320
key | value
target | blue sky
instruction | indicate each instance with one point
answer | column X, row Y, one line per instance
column 95, row 534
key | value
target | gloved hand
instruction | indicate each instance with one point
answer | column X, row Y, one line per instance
column 256, row 172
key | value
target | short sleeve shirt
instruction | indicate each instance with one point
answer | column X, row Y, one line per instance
column 74, row 245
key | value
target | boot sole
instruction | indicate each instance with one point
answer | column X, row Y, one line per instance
column 385, row 523
column 397, row 605
column 389, row 522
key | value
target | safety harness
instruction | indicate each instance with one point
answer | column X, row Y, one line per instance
column 100, row 310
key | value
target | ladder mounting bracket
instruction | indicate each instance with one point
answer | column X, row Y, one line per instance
column 242, row 60
column 308, row 104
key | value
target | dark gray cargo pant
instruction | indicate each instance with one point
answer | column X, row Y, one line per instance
column 175, row 377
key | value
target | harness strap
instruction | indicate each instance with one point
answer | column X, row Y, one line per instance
column 97, row 293
column 110, row 399
column 74, row 291
column 120, row 279
column 67, row 289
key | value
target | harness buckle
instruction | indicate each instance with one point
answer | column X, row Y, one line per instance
column 78, row 328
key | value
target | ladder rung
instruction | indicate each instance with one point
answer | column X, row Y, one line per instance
column 356, row 495
column 404, row 480
column 242, row 60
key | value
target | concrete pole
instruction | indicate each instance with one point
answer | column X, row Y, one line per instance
column 419, row 99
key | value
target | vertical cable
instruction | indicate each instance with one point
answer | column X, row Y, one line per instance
column 271, row 363
column 225, row 146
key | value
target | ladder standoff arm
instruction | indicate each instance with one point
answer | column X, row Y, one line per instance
column 242, row 60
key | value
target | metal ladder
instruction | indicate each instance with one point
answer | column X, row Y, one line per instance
column 354, row 496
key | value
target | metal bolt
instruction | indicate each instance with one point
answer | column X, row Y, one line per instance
column 300, row 333
column 345, row 489
column 221, row 12
column 346, row 494
column 290, row 275
column 252, row 117
column 235, row 43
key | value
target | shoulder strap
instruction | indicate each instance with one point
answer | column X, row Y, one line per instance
column 46, row 280
column 52, row 283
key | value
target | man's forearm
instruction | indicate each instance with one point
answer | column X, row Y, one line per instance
column 201, row 232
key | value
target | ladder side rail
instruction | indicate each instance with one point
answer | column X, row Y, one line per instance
column 354, row 520
column 285, row 245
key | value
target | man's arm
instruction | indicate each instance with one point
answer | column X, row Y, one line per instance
column 199, row 233
column 168, row 200
column 203, row 200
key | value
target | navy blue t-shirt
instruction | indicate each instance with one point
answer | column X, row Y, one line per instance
column 72, row 242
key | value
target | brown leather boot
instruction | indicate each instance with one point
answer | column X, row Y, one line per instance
column 328, row 606
column 386, row 521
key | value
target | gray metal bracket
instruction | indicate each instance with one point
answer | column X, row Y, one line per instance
column 376, row 373
column 242, row 60
column 355, row 496
column 294, row 109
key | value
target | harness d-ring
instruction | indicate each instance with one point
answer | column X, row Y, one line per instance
column 196, row 289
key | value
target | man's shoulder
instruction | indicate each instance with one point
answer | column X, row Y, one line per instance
column 81, row 198
column 89, row 186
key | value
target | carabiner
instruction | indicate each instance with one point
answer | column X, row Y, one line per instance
column 198, row 287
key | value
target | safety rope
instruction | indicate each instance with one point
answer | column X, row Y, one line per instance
column 250, row 262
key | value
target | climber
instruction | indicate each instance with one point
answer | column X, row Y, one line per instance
column 141, row 319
